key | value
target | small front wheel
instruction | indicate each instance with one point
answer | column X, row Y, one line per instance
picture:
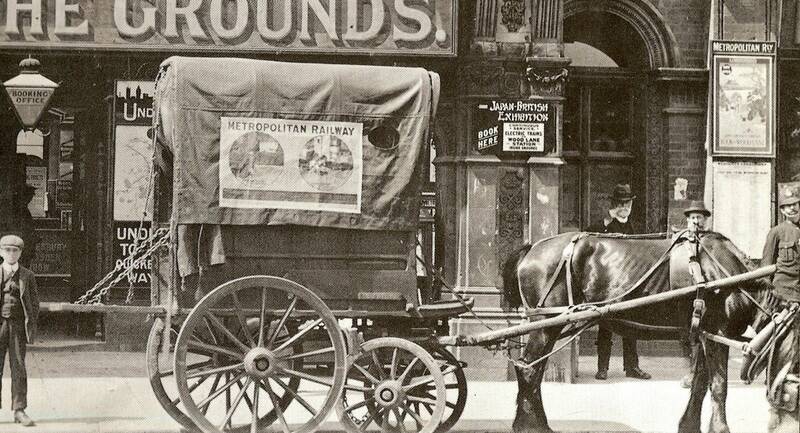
column 393, row 385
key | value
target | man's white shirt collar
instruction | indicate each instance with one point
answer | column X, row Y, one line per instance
column 8, row 269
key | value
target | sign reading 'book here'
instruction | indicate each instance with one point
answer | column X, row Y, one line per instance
column 514, row 126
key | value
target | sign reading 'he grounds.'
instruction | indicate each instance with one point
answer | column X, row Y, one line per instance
column 514, row 125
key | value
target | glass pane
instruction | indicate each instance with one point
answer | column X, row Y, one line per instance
column 481, row 254
column 602, row 178
column 610, row 119
column 744, row 20
column 572, row 118
column 570, row 218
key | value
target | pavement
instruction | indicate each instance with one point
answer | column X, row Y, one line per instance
column 77, row 389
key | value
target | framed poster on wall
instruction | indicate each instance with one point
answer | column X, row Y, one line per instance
column 743, row 111
column 741, row 209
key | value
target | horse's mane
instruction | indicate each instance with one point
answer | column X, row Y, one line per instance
column 740, row 308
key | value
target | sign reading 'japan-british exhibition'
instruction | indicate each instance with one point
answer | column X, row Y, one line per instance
column 743, row 76
column 514, row 125
column 331, row 26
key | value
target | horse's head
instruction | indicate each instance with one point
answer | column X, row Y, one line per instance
column 734, row 311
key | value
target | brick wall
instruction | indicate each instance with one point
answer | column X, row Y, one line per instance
column 685, row 136
column 688, row 20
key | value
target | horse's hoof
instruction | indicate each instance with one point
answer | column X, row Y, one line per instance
column 601, row 375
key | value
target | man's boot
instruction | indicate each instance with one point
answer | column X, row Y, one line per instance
column 20, row 417
column 603, row 357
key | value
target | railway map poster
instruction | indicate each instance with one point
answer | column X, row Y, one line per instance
column 133, row 149
column 290, row 164
column 744, row 98
column 741, row 210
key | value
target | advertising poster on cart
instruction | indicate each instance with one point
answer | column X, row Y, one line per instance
column 744, row 98
column 290, row 164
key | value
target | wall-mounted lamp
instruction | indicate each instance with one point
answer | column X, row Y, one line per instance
column 30, row 93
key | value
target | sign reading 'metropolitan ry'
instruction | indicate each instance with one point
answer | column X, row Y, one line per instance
column 348, row 26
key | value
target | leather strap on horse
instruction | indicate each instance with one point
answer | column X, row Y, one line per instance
column 699, row 305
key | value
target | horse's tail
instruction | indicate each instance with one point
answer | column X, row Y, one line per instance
column 510, row 283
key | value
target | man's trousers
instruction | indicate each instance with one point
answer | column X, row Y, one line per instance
column 14, row 342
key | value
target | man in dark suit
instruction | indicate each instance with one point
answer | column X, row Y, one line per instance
column 19, row 311
column 617, row 221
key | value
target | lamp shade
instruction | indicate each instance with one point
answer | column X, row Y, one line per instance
column 30, row 92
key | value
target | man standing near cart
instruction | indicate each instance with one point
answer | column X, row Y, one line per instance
column 781, row 249
column 19, row 310
column 617, row 221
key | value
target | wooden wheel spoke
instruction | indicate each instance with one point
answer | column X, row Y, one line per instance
column 282, row 322
column 359, row 404
column 308, row 354
column 393, row 365
column 297, row 397
column 357, row 388
column 422, row 380
column 210, row 330
column 451, row 386
column 410, row 365
column 262, row 317
column 424, row 401
column 206, row 401
column 254, row 408
column 300, row 334
column 246, row 398
column 378, row 365
column 367, row 421
column 242, row 321
column 227, row 332
column 209, row 372
column 204, row 409
column 276, row 404
column 236, row 401
column 400, row 420
column 170, row 372
column 366, row 374
column 309, row 377
column 415, row 415
column 216, row 349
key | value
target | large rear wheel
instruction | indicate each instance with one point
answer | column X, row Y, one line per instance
column 297, row 354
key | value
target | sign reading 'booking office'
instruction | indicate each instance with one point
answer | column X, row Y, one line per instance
column 339, row 26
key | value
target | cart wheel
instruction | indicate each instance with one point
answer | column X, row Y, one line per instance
column 455, row 382
column 394, row 384
column 249, row 372
column 161, row 374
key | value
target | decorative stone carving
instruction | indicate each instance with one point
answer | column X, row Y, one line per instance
column 483, row 77
column 511, row 212
column 513, row 14
column 547, row 82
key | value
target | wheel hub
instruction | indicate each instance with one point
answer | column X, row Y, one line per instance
column 389, row 394
column 259, row 362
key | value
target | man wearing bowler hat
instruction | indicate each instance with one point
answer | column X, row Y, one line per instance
column 617, row 221
column 19, row 311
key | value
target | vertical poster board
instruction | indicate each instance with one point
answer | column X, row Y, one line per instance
column 743, row 80
column 133, row 158
column 742, row 206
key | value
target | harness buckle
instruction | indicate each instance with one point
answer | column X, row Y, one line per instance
column 699, row 309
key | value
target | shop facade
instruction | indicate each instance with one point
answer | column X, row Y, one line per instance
column 546, row 104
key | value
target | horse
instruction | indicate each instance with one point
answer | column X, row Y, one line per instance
column 602, row 268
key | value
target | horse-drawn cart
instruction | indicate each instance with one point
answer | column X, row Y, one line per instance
column 288, row 197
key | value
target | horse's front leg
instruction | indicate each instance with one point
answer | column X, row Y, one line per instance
column 717, row 361
column 530, row 416
column 690, row 421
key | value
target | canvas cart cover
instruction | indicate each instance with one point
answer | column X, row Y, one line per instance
column 262, row 142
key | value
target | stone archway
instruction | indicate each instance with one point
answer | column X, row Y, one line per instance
column 662, row 47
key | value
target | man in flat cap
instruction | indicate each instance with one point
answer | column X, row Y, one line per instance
column 781, row 249
column 617, row 221
column 19, row 311
column 696, row 215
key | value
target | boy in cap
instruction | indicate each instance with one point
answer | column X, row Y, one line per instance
column 617, row 222
column 19, row 311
